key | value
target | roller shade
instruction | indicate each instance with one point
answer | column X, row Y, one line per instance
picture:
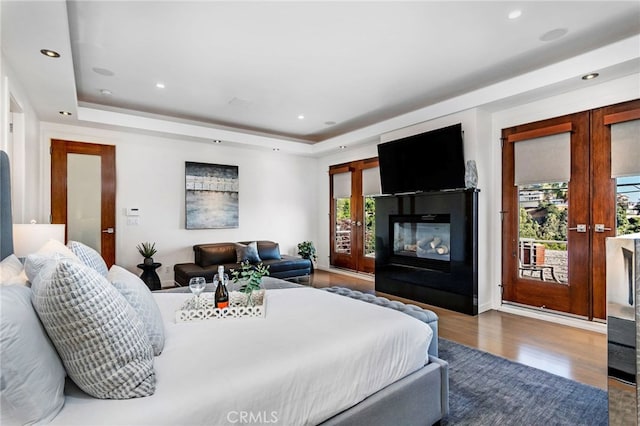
column 342, row 185
column 545, row 159
column 371, row 181
column 625, row 149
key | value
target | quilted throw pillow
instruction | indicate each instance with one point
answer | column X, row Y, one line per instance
column 247, row 252
column 31, row 374
column 88, row 256
column 99, row 337
column 140, row 298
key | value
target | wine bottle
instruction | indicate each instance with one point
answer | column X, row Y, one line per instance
column 222, row 295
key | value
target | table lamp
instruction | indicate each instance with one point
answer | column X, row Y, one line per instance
column 29, row 237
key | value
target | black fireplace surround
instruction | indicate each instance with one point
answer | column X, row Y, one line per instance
column 426, row 248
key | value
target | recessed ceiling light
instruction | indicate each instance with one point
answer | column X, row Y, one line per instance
column 64, row 112
column 590, row 76
column 50, row 53
column 106, row 92
column 515, row 14
column 160, row 85
column 342, row 147
column 276, row 149
column 217, row 141
column 301, row 117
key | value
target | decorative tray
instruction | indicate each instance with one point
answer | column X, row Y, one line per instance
column 192, row 310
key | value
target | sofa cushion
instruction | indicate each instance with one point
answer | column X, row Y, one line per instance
column 32, row 375
column 268, row 250
column 98, row 335
column 287, row 263
column 248, row 252
column 215, row 254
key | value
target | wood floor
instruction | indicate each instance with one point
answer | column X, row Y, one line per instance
column 577, row 354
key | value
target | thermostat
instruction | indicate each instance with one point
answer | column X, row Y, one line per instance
column 133, row 211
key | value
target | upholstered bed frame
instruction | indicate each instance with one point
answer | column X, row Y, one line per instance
column 420, row 398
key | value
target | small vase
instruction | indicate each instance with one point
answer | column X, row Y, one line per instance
column 148, row 261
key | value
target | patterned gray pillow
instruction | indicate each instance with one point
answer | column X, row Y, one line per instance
column 140, row 298
column 32, row 376
column 247, row 252
column 99, row 337
column 88, row 256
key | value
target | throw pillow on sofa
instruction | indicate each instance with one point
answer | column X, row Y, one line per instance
column 98, row 335
column 247, row 252
column 140, row 298
column 31, row 373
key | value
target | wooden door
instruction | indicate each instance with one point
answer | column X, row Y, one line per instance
column 530, row 238
column 604, row 192
column 352, row 216
column 94, row 229
column 529, row 274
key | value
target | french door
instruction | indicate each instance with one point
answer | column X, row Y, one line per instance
column 83, row 193
column 560, row 197
column 352, row 214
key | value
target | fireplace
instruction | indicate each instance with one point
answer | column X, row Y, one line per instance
column 426, row 248
column 422, row 240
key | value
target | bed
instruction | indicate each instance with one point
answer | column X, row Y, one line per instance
column 316, row 358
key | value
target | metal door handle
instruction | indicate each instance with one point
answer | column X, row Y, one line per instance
column 599, row 227
column 108, row 231
column 581, row 227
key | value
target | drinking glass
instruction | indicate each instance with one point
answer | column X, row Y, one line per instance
column 196, row 285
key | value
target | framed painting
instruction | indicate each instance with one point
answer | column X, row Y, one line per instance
column 211, row 195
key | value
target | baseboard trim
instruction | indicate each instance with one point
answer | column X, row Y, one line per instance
column 598, row 327
column 361, row 275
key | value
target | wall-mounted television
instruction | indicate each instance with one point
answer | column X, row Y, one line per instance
column 430, row 161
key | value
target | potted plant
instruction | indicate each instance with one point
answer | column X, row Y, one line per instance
column 147, row 250
column 308, row 251
column 250, row 278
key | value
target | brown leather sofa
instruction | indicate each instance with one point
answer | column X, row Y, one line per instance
column 209, row 256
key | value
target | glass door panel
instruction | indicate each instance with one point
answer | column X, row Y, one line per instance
column 342, row 226
column 542, row 236
column 628, row 205
column 369, row 221
column 84, row 179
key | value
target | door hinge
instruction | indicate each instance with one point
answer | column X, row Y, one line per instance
column 502, row 142
column 10, row 127
column 502, row 212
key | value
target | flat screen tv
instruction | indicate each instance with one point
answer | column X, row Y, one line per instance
column 431, row 161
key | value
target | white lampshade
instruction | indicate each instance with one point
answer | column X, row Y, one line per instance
column 28, row 238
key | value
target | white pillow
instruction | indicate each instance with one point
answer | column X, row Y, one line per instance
column 99, row 337
column 88, row 256
column 10, row 267
column 140, row 298
column 52, row 251
column 31, row 374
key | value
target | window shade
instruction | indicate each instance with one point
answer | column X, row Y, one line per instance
column 371, row 181
column 625, row 149
column 342, row 185
column 545, row 159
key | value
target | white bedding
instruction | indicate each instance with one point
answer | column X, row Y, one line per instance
column 314, row 355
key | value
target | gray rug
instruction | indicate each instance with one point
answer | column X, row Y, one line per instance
column 488, row 390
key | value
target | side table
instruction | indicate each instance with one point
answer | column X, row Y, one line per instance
column 149, row 275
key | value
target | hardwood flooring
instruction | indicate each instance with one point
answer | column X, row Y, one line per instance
column 577, row 354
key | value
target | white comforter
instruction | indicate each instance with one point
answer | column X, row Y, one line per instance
column 314, row 355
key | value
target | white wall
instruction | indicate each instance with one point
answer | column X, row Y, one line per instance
column 277, row 193
column 22, row 147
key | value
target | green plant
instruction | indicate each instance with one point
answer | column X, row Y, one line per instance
column 147, row 250
column 251, row 275
column 307, row 250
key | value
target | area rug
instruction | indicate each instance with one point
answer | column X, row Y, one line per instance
column 488, row 390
